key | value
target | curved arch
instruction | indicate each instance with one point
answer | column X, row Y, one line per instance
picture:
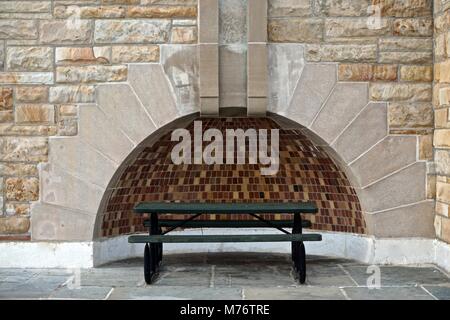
column 384, row 169
column 305, row 172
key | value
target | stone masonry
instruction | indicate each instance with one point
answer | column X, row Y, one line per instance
column 441, row 102
column 54, row 53
column 52, row 56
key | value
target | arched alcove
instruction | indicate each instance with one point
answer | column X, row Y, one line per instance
column 306, row 172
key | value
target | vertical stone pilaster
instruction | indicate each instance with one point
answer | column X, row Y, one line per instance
column 257, row 78
column 208, row 54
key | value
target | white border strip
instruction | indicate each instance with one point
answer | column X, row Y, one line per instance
column 366, row 249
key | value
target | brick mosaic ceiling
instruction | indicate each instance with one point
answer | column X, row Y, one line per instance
column 306, row 172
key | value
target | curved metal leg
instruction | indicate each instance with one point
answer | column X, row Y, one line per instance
column 148, row 269
column 301, row 264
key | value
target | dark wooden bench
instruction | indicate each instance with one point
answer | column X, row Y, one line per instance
column 153, row 252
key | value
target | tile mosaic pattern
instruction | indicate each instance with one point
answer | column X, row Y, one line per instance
column 306, row 172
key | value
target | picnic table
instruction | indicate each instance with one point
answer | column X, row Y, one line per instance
column 153, row 252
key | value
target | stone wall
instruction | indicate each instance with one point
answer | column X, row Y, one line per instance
column 52, row 56
column 51, row 62
column 441, row 102
column 388, row 43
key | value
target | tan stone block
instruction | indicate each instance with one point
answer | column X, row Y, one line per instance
column 6, row 116
column 12, row 209
column 443, row 192
column 162, row 12
column 295, row 30
column 122, row 54
column 208, row 20
column 341, row 8
column 35, row 113
column 96, row 73
column 410, row 115
column 444, row 96
column 32, row 94
column 18, row 29
column 65, row 12
column 444, row 72
column 82, row 55
column 25, row 6
column 408, row 8
column 440, row 47
column 445, row 231
column 286, row 8
column 405, row 44
column 22, row 189
column 411, row 27
column 416, row 73
column 129, row 2
column 33, row 149
column 400, row 92
column 406, row 57
column 356, row 27
column 183, row 35
column 64, row 32
column 68, row 110
column 257, row 21
column 12, row 129
column 72, row 94
column 26, row 77
column 341, row 53
column 367, row 72
column 441, row 118
column 6, row 99
column 29, row 58
column 426, row 147
column 442, row 138
column 442, row 162
column 14, row 225
column 18, row 169
column 132, row 31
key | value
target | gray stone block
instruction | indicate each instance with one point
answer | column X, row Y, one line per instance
column 403, row 187
column 208, row 20
column 369, row 127
column 154, row 91
column 124, row 110
column 410, row 221
column 313, row 88
column 391, row 154
column 344, row 103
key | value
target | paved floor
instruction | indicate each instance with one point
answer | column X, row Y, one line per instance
column 227, row 276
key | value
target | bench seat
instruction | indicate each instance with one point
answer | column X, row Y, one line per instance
column 224, row 238
column 228, row 223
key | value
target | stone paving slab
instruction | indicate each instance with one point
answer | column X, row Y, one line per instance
column 296, row 293
column 387, row 293
column 226, row 276
column 176, row 293
column 399, row 276
column 441, row 292
column 83, row 293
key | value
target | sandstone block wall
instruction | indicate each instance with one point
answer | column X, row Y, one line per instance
column 441, row 102
column 52, row 56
